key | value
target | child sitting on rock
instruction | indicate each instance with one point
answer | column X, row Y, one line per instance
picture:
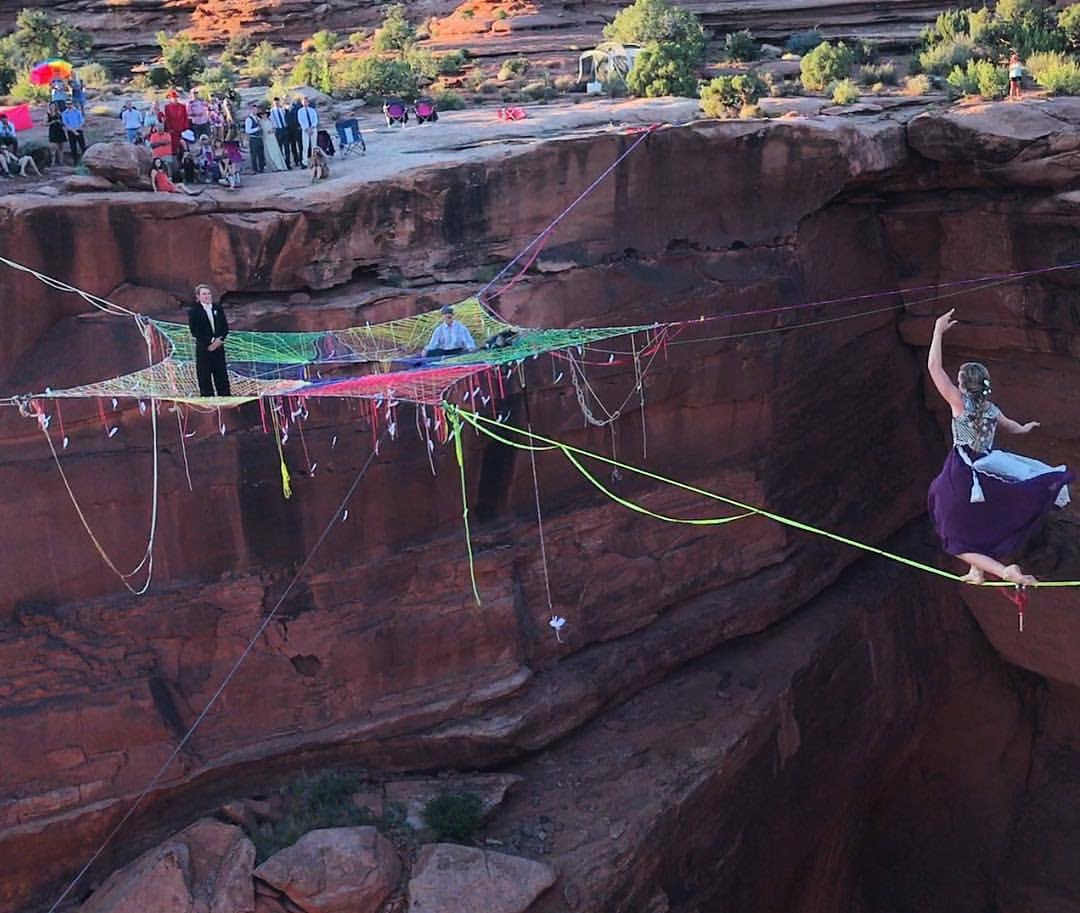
column 320, row 165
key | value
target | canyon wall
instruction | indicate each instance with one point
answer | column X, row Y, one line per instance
column 380, row 656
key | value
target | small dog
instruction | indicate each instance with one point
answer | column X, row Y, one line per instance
column 9, row 161
column 320, row 166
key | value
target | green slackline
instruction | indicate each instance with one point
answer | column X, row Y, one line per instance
column 487, row 427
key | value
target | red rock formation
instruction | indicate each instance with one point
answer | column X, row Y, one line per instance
column 380, row 654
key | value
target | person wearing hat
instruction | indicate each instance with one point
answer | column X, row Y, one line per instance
column 176, row 119
column 450, row 337
column 253, row 131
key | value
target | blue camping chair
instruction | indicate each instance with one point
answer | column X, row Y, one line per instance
column 349, row 137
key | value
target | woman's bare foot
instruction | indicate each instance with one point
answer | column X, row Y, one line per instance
column 1013, row 574
column 974, row 575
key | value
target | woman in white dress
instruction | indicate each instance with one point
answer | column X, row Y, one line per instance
column 274, row 158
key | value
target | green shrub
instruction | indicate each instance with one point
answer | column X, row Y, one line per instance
column 38, row 36
column 778, row 87
column 884, row 73
column 726, row 94
column 614, row 87
column 263, row 63
column 740, row 46
column 539, row 90
column 1028, row 27
column 94, row 75
column 182, row 57
column 826, row 64
column 980, row 77
column 236, row 50
column 750, row 112
column 565, row 83
column 946, row 55
column 648, row 21
column 371, row 76
column 500, row 14
column 918, row 85
column 24, row 90
column 358, row 39
column 1069, row 23
column 448, row 101
column 515, row 66
column 324, row 42
column 468, row 13
column 1055, row 72
column 395, row 33
column 310, row 803
column 845, row 92
column 802, row 43
column 454, row 816
column 663, row 69
column 452, row 62
column 217, row 81
column 315, row 70
column 422, row 62
column 158, row 77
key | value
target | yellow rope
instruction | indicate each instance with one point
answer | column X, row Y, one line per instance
column 487, row 426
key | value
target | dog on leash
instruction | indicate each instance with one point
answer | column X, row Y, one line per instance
column 320, row 165
column 9, row 162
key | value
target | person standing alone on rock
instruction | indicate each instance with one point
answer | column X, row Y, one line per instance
column 209, row 327
column 1016, row 77
column 985, row 503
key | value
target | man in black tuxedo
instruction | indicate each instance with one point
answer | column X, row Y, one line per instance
column 209, row 327
column 295, row 151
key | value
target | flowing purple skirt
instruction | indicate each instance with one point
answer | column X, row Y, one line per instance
column 999, row 525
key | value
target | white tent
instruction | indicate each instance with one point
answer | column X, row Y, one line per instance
column 608, row 59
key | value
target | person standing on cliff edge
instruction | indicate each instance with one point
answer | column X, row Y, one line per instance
column 209, row 327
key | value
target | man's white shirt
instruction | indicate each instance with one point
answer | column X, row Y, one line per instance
column 454, row 336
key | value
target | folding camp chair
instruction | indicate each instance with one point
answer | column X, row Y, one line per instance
column 349, row 137
column 425, row 111
column 396, row 112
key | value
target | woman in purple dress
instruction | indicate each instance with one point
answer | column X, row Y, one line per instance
column 985, row 502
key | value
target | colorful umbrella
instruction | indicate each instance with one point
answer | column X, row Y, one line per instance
column 46, row 72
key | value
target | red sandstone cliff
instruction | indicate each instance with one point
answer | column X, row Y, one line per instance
column 774, row 707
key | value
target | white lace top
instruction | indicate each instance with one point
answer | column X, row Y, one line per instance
column 965, row 431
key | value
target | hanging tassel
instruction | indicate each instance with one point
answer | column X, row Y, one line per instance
column 286, row 481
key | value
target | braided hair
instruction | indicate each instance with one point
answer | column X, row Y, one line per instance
column 975, row 391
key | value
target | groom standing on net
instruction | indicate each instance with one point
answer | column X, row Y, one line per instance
column 208, row 325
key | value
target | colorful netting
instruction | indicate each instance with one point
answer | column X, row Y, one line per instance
column 294, row 364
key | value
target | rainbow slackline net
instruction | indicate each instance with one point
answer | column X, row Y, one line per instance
column 387, row 355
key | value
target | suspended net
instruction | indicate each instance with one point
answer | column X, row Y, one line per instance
column 382, row 360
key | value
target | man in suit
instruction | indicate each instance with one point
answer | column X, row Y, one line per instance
column 209, row 327
column 292, row 121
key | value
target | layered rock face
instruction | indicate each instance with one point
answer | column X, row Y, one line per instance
column 379, row 655
column 124, row 32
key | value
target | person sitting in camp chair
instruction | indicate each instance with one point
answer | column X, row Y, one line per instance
column 450, row 337
column 349, row 136
column 425, row 112
column 395, row 111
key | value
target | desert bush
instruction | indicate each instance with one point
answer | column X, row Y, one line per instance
column 1069, row 23
column 24, row 90
column 538, row 90
column 884, row 73
column 804, row 42
column 454, row 817
column 845, row 92
column 565, row 83
column 217, row 81
column 741, row 46
column 38, row 36
column 750, row 112
column 94, row 75
column 395, row 33
column 448, row 101
column 1055, row 72
column 826, row 64
column 944, row 56
column 647, row 21
column 515, row 66
column 373, row 76
column 919, row 84
column 236, row 50
column 182, row 57
column 727, row 94
column 663, row 69
column 314, row 70
column 979, row 77
column 452, row 62
column 263, row 63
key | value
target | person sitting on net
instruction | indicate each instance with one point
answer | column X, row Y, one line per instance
column 450, row 337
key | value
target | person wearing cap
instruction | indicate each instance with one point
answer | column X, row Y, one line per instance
column 253, row 131
column 176, row 119
column 450, row 337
